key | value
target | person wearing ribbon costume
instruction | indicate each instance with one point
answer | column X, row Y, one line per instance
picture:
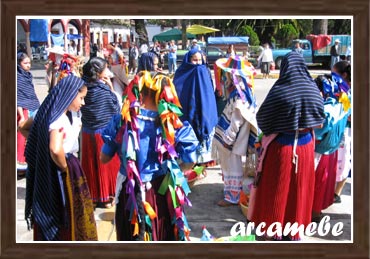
column 196, row 93
column 285, row 175
column 236, row 130
column 336, row 95
column 343, row 68
column 58, row 202
column 101, row 104
column 150, row 140
column 27, row 103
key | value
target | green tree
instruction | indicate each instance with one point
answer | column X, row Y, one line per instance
column 248, row 31
column 286, row 34
column 339, row 26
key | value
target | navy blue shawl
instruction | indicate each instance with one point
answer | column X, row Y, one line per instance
column 26, row 96
column 100, row 105
column 146, row 62
column 294, row 101
column 195, row 90
column 43, row 195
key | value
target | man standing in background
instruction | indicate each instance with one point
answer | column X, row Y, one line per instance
column 172, row 57
column 334, row 52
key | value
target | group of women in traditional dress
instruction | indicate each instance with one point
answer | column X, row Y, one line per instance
column 135, row 150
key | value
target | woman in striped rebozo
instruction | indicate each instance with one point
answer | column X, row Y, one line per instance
column 285, row 173
column 27, row 104
column 58, row 202
column 101, row 104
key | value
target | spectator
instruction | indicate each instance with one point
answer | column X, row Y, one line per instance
column 334, row 52
column 194, row 45
column 133, row 58
column 143, row 48
column 343, row 68
column 148, row 62
column 266, row 58
column 101, row 104
column 230, row 51
column 297, row 47
column 172, row 57
column 119, row 69
column 194, row 87
column 285, row 173
column 348, row 53
column 329, row 138
column 58, row 202
column 145, row 209
column 27, row 104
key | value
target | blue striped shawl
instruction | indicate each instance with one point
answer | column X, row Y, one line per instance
column 100, row 105
column 294, row 101
column 26, row 96
column 43, row 196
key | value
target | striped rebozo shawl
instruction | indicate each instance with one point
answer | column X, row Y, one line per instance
column 42, row 185
column 26, row 96
column 100, row 105
column 294, row 101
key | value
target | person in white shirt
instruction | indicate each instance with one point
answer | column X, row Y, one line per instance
column 265, row 58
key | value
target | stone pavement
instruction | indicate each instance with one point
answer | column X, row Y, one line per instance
column 204, row 212
column 204, row 195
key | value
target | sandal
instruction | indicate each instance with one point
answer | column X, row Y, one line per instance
column 223, row 203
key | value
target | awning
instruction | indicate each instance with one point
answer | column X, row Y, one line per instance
column 39, row 30
column 173, row 34
column 200, row 29
column 228, row 40
column 74, row 36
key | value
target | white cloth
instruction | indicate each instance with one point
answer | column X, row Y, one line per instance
column 72, row 131
column 344, row 164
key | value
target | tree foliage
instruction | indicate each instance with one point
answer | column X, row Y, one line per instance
column 247, row 30
column 286, row 34
column 339, row 26
column 279, row 31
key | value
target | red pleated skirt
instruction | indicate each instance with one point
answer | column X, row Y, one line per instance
column 21, row 141
column 325, row 178
column 282, row 195
column 101, row 178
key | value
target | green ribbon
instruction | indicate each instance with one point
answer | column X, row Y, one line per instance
column 164, row 185
column 164, row 106
column 243, row 238
column 198, row 169
column 173, row 196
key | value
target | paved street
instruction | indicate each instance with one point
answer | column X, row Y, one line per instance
column 204, row 194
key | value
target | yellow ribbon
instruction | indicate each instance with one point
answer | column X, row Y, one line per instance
column 149, row 210
column 170, row 122
column 125, row 112
column 343, row 98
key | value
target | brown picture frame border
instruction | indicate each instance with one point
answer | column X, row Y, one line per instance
column 360, row 246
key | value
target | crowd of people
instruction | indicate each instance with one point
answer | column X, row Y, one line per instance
column 102, row 140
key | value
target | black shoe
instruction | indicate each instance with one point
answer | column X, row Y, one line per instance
column 337, row 198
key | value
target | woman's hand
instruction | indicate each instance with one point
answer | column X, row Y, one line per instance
column 108, row 82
